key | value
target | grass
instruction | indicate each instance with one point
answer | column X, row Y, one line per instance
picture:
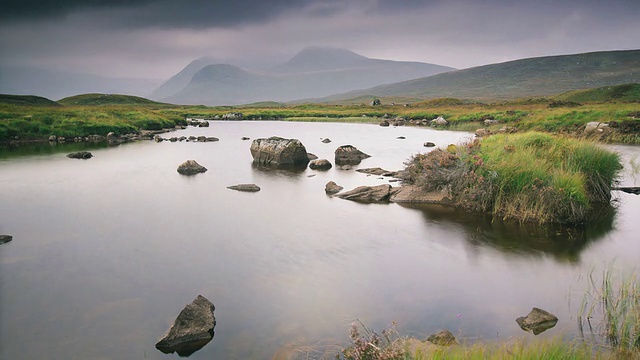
column 530, row 177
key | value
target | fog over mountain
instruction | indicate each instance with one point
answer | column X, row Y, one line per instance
column 313, row 72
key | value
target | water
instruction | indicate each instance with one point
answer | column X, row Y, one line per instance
column 107, row 251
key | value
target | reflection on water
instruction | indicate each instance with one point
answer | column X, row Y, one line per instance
column 563, row 242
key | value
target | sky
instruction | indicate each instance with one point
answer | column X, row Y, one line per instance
column 157, row 38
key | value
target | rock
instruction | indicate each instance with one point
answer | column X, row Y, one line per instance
column 483, row 132
column 158, row 138
column 488, row 122
column 368, row 194
column 320, row 164
column 5, row 239
column 415, row 194
column 385, row 123
column 191, row 330
column 439, row 121
column 443, row 338
column 349, row 155
column 429, row 144
column 375, row 102
column 332, row 188
column 203, row 123
column 377, row 171
column 53, row 138
column 201, row 138
column 276, row 151
column 211, row 139
column 191, row 167
column 312, row 156
column 346, row 167
column 80, row 155
column 507, row 130
column 232, row 116
column 595, row 126
column 173, row 139
column 245, row 138
column 398, row 122
column 326, row 141
column 245, row 187
column 537, row 321
column 401, row 137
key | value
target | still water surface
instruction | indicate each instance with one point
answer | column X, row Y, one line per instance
column 107, row 251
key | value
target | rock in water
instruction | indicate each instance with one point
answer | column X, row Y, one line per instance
column 80, row 155
column 192, row 329
column 369, row 194
column 5, row 238
column 332, row 188
column 349, row 155
column 191, row 167
column 276, row 151
column 537, row 321
column 320, row 164
column 245, row 187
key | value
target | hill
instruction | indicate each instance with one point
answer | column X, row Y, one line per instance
column 534, row 77
column 313, row 72
column 106, row 99
column 181, row 79
column 617, row 93
column 26, row 100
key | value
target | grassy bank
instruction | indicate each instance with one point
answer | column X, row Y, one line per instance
column 530, row 177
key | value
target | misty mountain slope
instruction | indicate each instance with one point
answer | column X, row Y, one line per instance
column 314, row 72
column 516, row 79
column 180, row 80
column 57, row 85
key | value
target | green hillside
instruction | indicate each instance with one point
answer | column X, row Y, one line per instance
column 617, row 93
column 535, row 77
column 106, row 99
column 26, row 100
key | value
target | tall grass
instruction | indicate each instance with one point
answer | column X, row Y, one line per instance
column 611, row 310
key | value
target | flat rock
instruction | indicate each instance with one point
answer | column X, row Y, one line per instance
column 191, row 330
column 377, row 171
column 537, row 321
column 191, row 167
column 5, row 238
column 429, row 144
column 369, row 194
column 80, row 155
column 415, row 194
column 245, row 187
column 332, row 188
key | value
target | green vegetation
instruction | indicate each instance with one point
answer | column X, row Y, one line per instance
column 620, row 93
column 530, row 177
column 26, row 100
column 106, row 99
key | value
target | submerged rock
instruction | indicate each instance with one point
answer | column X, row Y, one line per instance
column 191, row 330
column 276, row 151
column 80, row 155
column 369, row 194
column 443, row 338
column 191, row 167
column 245, row 187
column 537, row 321
column 5, row 239
column 349, row 155
column 320, row 164
column 377, row 171
column 332, row 188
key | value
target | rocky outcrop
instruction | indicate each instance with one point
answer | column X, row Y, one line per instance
column 5, row 239
column 414, row 194
column 276, row 151
column 320, row 164
column 369, row 194
column 191, row 167
column 439, row 121
column 245, row 187
column 349, row 155
column 537, row 321
column 191, row 330
column 332, row 188
column 80, row 155
column 443, row 338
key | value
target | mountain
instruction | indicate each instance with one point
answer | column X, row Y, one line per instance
column 57, row 85
column 105, row 99
column 534, row 77
column 178, row 81
column 313, row 72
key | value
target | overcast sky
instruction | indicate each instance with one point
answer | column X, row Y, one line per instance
column 157, row 38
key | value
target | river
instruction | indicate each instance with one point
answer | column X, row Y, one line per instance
column 107, row 251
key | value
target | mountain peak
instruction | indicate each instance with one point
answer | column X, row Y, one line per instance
column 317, row 58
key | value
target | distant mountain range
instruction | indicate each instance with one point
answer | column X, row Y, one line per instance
column 57, row 85
column 313, row 72
column 534, row 77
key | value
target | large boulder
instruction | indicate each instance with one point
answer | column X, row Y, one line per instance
column 191, row 167
column 5, row 238
column 537, row 321
column 192, row 329
column 80, row 155
column 332, row 188
column 276, row 151
column 320, row 164
column 369, row 194
column 443, row 338
column 349, row 155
